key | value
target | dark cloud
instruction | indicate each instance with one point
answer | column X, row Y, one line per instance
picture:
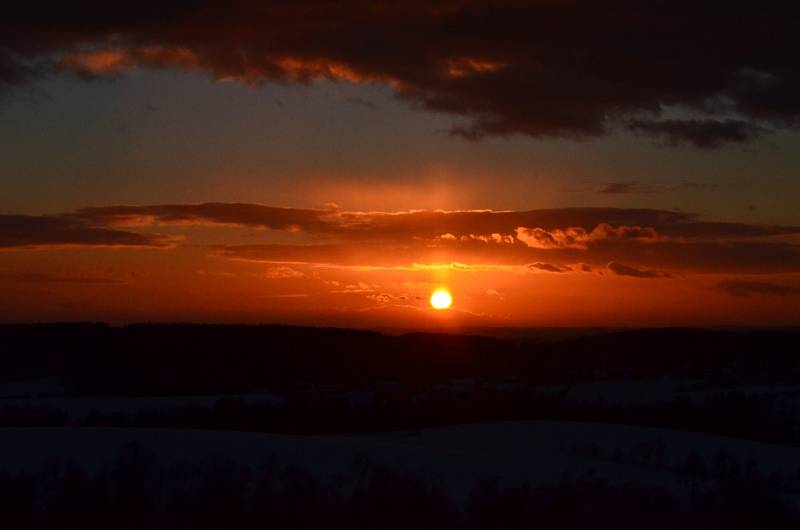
column 692, row 185
column 12, row 72
column 748, row 288
column 689, row 257
column 626, row 270
column 635, row 187
column 704, row 134
column 549, row 267
column 37, row 277
column 252, row 215
column 619, row 188
column 657, row 239
column 38, row 231
column 720, row 230
column 564, row 226
column 750, row 257
column 542, row 68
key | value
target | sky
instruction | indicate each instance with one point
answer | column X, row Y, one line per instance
column 549, row 162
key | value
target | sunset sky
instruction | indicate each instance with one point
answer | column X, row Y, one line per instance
column 550, row 162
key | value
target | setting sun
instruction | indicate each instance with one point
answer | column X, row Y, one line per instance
column 441, row 299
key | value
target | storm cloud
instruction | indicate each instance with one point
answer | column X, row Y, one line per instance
column 703, row 74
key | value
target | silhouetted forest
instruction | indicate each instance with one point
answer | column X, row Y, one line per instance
column 139, row 491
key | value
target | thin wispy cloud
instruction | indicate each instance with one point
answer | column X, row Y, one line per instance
column 628, row 188
column 31, row 231
column 621, row 269
column 747, row 288
column 44, row 278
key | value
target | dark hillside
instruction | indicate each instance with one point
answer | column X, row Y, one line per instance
column 96, row 359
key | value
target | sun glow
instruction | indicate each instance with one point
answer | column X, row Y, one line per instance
column 441, row 299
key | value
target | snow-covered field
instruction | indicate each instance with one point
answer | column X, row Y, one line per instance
column 49, row 393
column 456, row 456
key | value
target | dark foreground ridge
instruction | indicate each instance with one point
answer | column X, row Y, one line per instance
column 581, row 458
column 741, row 383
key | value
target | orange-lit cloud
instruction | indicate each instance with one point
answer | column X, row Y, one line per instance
column 647, row 239
column 116, row 60
column 282, row 273
column 550, row 267
column 626, row 270
column 465, row 67
column 560, row 227
column 578, row 238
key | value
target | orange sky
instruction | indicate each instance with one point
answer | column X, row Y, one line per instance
column 253, row 263
column 551, row 163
